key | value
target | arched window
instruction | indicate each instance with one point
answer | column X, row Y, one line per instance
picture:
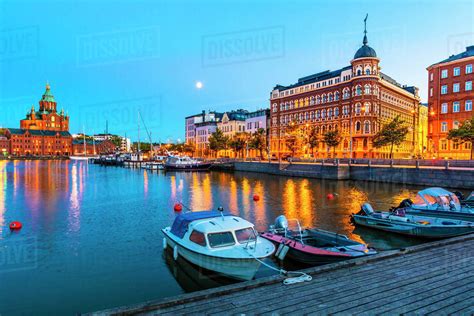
column 306, row 101
column 359, row 72
column 291, row 105
column 311, row 101
column 357, row 126
column 358, row 90
column 311, row 115
column 323, row 113
column 336, row 96
column 336, row 112
column 367, row 108
column 325, row 98
column 318, row 99
column 367, row 89
column 307, row 116
column 366, row 127
column 317, row 114
column 364, row 143
column 301, row 117
column 346, row 93
column 329, row 128
column 357, row 108
column 345, row 110
column 367, row 71
column 330, row 97
column 329, row 113
column 296, row 104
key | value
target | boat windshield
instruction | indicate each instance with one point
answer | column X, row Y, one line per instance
column 220, row 239
column 245, row 235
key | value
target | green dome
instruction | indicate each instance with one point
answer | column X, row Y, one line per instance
column 48, row 96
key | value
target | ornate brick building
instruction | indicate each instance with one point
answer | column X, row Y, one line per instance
column 356, row 100
column 42, row 133
column 450, row 98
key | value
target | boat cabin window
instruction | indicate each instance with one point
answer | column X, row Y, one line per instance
column 220, row 239
column 246, row 234
column 198, row 238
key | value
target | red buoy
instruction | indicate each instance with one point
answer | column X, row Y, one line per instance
column 256, row 198
column 330, row 196
column 178, row 207
column 15, row 225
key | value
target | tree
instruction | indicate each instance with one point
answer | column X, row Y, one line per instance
column 258, row 141
column 293, row 137
column 238, row 143
column 392, row 134
column 189, row 148
column 116, row 140
column 313, row 139
column 332, row 139
column 464, row 134
column 218, row 141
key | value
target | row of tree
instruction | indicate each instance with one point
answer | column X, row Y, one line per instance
column 239, row 142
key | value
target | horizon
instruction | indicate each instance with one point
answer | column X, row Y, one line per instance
column 109, row 68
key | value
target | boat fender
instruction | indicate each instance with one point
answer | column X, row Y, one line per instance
column 175, row 253
column 280, row 247
column 164, row 243
column 15, row 225
column 283, row 253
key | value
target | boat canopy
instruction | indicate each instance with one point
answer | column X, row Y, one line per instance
column 181, row 222
column 436, row 199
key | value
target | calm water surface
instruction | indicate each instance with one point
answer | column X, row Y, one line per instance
column 91, row 237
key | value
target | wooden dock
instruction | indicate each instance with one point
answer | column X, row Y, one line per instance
column 436, row 277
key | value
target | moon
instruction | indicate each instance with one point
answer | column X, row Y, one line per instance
column 199, row 85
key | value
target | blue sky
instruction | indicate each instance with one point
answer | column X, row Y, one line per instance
column 105, row 60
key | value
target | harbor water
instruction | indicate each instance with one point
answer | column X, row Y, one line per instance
column 91, row 236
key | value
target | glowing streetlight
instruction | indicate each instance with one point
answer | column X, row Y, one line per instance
column 199, row 85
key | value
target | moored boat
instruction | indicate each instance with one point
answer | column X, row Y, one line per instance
column 412, row 225
column 218, row 242
column 185, row 163
column 313, row 246
column 438, row 202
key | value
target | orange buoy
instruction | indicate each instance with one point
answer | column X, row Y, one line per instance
column 15, row 225
column 330, row 196
column 178, row 207
column 256, row 198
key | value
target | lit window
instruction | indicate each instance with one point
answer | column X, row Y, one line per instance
column 457, row 71
column 455, row 124
column 444, row 89
column 444, row 108
column 444, row 126
column 468, row 105
column 456, row 107
column 456, row 87
column 468, row 86
column 444, row 73
column 431, row 76
column 469, row 69
column 431, row 92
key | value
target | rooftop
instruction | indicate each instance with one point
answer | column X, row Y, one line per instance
column 468, row 53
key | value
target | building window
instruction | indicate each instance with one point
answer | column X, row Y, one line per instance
column 317, row 114
column 468, row 105
column 367, row 127
column 457, row 71
column 358, row 90
column 468, row 85
column 357, row 108
column 455, row 124
column 456, row 107
column 469, row 69
column 444, row 89
column 336, row 111
column 444, row 108
column 444, row 144
column 444, row 73
column 323, row 113
column 367, row 89
column 357, row 126
column 431, row 76
column 456, row 87
column 329, row 113
column 444, row 126
column 431, row 92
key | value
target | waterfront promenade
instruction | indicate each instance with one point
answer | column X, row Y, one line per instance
column 434, row 277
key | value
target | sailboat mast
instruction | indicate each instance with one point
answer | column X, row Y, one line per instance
column 138, row 149
column 84, row 134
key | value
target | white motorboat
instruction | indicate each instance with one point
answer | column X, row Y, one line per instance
column 218, row 242
column 438, row 202
column 185, row 163
column 412, row 225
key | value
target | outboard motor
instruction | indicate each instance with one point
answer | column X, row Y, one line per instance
column 281, row 223
column 367, row 208
column 405, row 203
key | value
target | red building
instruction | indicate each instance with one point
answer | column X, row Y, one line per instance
column 93, row 148
column 450, row 98
column 42, row 133
column 355, row 100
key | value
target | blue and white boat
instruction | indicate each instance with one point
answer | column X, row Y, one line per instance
column 219, row 242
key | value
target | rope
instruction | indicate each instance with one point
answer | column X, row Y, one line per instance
column 288, row 281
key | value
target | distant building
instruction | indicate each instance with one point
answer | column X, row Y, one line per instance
column 256, row 120
column 450, row 97
column 42, row 133
column 125, row 143
column 4, row 146
column 92, row 148
column 198, row 128
column 356, row 100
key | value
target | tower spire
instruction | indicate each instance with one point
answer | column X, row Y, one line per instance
column 365, row 41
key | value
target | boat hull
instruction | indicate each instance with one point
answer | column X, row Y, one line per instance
column 188, row 167
column 462, row 216
column 239, row 269
column 411, row 229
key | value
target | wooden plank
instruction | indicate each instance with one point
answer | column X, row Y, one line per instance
column 351, row 275
column 450, row 306
column 323, row 283
column 324, row 294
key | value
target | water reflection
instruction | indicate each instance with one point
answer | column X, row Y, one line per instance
column 3, row 188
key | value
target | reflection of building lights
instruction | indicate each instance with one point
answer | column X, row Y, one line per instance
column 3, row 188
column 145, row 182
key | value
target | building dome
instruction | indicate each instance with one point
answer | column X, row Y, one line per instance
column 365, row 51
